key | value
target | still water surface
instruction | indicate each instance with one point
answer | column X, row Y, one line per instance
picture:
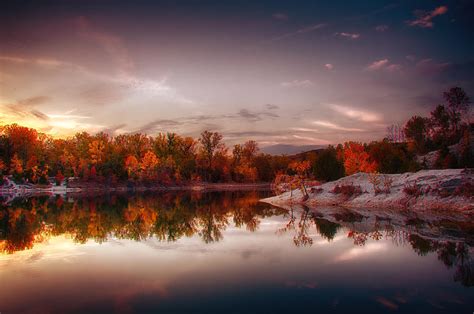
column 225, row 252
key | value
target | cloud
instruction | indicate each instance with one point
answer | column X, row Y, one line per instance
column 272, row 107
column 26, row 107
column 157, row 125
column 40, row 115
column 43, row 62
column 358, row 252
column 313, row 140
column 306, row 29
column 255, row 116
column 352, row 113
column 387, row 303
column 348, row 35
column 304, row 129
column 381, row 28
column 280, row 16
column 297, row 83
column 430, row 67
column 383, row 64
column 112, row 130
column 377, row 65
column 425, row 19
column 334, row 126
column 329, row 66
column 117, row 86
column 112, row 45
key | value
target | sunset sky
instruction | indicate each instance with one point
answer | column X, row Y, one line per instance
column 288, row 72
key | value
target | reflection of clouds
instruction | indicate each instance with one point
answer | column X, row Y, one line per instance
column 357, row 252
column 57, row 248
column 327, row 242
column 246, row 254
column 387, row 303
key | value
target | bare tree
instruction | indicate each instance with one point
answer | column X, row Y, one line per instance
column 396, row 133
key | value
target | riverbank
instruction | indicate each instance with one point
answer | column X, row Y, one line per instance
column 86, row 187
column 449, row 189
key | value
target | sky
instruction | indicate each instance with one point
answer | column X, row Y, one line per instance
column 278, row 72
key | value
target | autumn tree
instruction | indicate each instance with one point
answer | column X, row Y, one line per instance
column 23, row 140
column 300, row 170
column 211, row 145
column 132, row 166
column 149, row 165
column 392, row 157
column 16, row 168
column 356, row 159
column 243, row 157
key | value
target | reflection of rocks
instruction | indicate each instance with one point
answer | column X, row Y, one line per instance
column 427, row 224
column 427, row 233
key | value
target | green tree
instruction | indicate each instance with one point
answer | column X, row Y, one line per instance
column 327, row 166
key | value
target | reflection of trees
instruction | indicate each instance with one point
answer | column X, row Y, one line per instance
column 167, row 216
column 452, row 254
column 212, row 223
column 325, row 228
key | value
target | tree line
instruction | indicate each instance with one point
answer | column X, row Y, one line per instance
column 168, row 158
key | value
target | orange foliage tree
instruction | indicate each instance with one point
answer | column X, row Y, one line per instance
column 356, row 159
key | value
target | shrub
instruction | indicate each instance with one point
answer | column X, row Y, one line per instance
column 381, row 184
column 466, row 189
column 387, row 184
column 315, row 190
column 374, row 179
column 347, row 190
column 412, row 189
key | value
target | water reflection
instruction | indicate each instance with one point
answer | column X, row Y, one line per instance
column 453, row 243
column 171, row 216
column 166, row 216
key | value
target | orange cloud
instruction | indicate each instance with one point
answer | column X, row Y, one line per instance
column 425, row 19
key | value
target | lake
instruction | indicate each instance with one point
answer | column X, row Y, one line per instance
column 218, row 252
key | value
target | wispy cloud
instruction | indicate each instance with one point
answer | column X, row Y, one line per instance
column 272, row 107
column 297, row 83
column 43, row 62
column 112, row 44
column 304, row 129
column 357, row 114
column 329, row 66
column 280, row 16
column 430, row 66
column 348, row 35
column 312, row 140
column 303, row 30
column 381, row 28
column 334, row 126
column 383, row 64
column 157, row 125
column 425, row 19
column 255, row 116
column 27, row 107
